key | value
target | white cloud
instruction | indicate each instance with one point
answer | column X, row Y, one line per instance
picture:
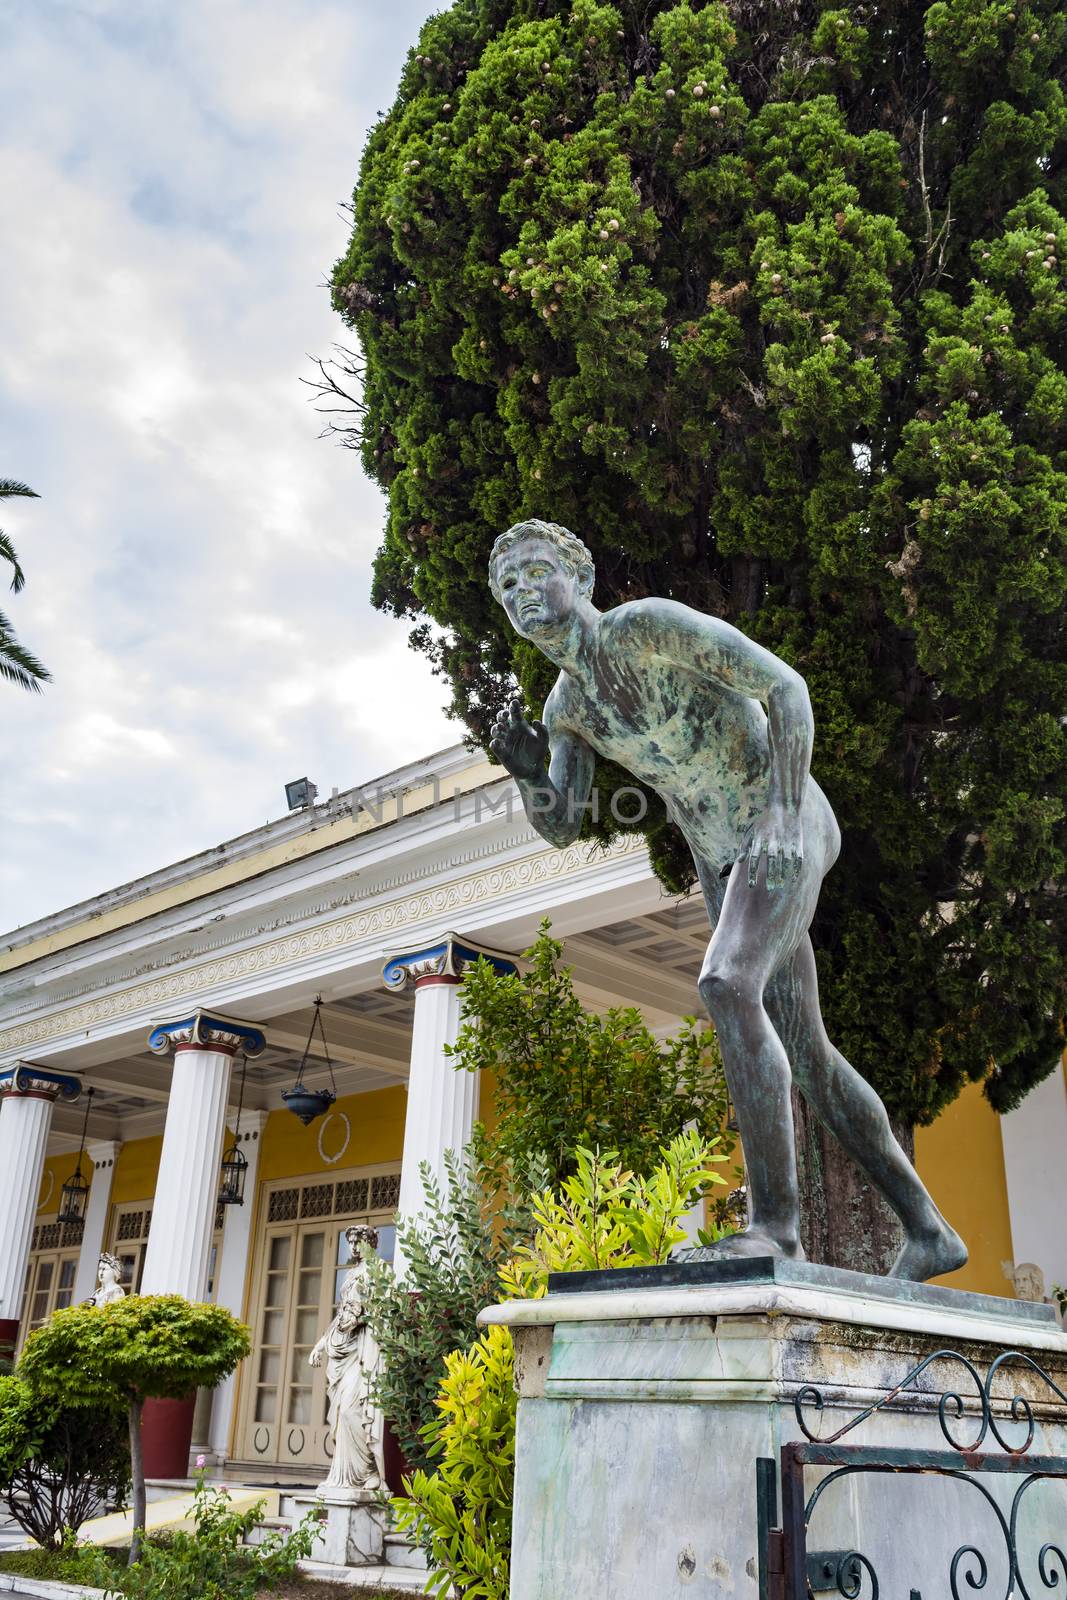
column 198, row 565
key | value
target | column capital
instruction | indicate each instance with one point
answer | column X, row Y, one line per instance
column 104, row 1150
column 207, row 1030
column 27, row 1081
column 252, row 1122
column 443, row 962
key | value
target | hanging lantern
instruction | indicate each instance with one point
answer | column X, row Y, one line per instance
column 74, row 1195
column 305, row 1103
column 234, row 1169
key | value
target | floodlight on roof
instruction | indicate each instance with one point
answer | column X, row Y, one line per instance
column 300, row 794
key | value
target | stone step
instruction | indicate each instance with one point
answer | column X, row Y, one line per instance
column 400, row 1552
column 269, row 1525
column 372, row 1578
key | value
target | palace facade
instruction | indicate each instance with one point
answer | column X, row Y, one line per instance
column 191, row 992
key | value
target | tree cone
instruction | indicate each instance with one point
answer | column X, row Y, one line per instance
column 844, row 1222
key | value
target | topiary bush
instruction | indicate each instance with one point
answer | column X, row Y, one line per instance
column 147, row 1346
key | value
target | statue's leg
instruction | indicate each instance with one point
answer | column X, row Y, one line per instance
column 846, row 1104
column 757, row 931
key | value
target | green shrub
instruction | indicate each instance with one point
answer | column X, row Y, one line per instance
column 212, row 1562
column 147, row 1346
column 59, row 1463
column 451, row 1271
column 604, row 1217
column 567, row 1078
column 462, row 1510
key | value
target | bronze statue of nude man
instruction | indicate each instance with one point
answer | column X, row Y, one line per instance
column 722, row 730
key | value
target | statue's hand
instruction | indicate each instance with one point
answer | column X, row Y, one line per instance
column 779, row 836
column 315, row 1358
column 520, row 746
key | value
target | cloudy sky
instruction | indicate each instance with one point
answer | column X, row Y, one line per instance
column 198, row 564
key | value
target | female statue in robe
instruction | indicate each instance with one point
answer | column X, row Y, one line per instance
column 351, row 1354
column 108, row 1287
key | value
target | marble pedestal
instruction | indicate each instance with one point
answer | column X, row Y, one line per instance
column 647, row 1398
column 353, row 1527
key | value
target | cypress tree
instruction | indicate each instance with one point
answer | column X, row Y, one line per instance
column 767, row 303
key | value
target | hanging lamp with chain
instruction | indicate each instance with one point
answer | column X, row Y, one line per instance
column 305, row 1103
column 74, row 1195
column 234, row 1169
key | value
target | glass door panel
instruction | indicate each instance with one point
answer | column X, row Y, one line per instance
column 270, row 1344
column 68, row 1268
column 302, row 1262
column 301, row 1440
column 42, row 1293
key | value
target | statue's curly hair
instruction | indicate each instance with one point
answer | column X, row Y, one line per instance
column 361, row 1234
column 107, row 1259
column 574, row 555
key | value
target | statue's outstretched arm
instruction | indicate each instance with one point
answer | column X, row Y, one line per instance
column 552, row 767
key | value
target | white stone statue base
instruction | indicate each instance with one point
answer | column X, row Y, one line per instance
column 353, row 1528
column 644, row 1408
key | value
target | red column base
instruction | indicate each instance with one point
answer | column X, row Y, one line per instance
column 9, row 1338
column 166, row 1434
column 396, row 1462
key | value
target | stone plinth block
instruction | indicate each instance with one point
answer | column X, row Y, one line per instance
column 648, row 1400
column 353, row 1527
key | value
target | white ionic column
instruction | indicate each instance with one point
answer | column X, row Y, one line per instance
column 442, row 1103
column 233, row 1271
column 103, row 1157
column 27, row 1095
column 187, row 1188
column 1034, row 1138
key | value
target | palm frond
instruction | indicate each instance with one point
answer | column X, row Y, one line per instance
column 7, row 553
column 9, row 487
column 17, row 664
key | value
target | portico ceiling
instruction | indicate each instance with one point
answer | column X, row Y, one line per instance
column 650, row 961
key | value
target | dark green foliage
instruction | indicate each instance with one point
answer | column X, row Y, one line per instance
column 145, row 1347
column 17, row 664
column 766, row 303
column 451, row 1266
column 59, row 1464
column 565, row 1077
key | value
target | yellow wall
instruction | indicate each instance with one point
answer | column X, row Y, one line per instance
column 136, row 1169
column 377, row 1119
column 961, row 1160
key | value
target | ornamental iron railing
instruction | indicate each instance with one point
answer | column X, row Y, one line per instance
column 790, row 1570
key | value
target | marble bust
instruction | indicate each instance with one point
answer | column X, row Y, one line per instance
column 722, row 731
column 350, row 1352
column 108, row 1287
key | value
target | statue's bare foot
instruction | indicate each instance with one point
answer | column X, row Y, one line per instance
column 928, row 1254
column 753, row 1241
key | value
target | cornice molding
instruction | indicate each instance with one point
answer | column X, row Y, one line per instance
column 288, row 954
column 226, row 937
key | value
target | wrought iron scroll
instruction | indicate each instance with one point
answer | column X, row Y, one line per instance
column 966, row 1420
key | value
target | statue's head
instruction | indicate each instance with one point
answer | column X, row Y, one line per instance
column 108, row 1264
column 358, row 1237
column 539, row 571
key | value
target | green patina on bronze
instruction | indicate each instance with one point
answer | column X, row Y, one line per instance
column 721, row 729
